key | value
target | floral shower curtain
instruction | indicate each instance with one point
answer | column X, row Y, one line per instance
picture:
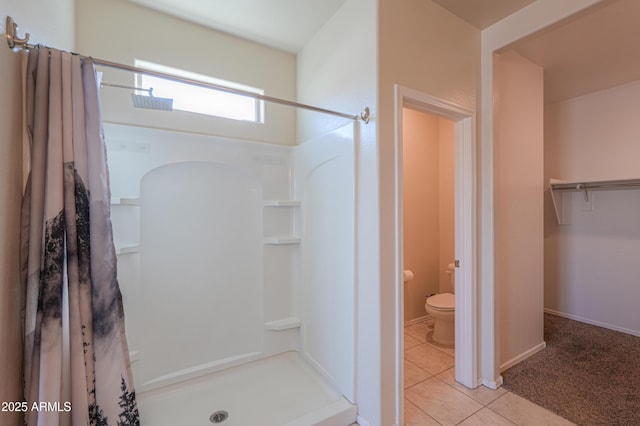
column 76, row 361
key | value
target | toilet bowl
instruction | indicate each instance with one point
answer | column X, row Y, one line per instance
column 442, row 308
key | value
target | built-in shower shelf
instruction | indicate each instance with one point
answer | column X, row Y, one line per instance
column 282, row 324
column 128, row 249
column 286, row 239
column 125, row 201
column 281, row 203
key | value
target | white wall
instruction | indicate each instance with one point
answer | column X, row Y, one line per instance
column 427, row 144
column 120, row 31
column 591, row 270
column 446, row 206
column 345, row 50
column 48, row 22
column 324, row 184
column 51, row 23
column 518, row 149
column 421, row 208
column 423, row 47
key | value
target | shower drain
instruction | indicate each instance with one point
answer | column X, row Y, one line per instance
column 219, row 416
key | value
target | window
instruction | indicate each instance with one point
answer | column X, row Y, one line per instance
column 200, row 100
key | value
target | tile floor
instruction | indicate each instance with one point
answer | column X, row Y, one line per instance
column 433, row 397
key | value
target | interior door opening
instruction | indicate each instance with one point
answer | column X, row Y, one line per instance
column 428, row 220
column 459, row 122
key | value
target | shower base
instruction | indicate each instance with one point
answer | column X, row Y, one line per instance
column 280, row 391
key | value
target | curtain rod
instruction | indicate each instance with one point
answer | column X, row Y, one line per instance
column 16, row 42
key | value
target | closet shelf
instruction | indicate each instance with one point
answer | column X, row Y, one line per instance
column 281, row 203
column 559, row 187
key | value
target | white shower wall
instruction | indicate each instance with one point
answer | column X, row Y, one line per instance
column 324, row 183
column 222, row 262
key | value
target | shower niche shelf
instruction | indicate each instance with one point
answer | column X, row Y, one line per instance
column 125, row 201
column 278, row 220
column 283, row 324
column 129, row 249
column 282, row 240
column 281, row 203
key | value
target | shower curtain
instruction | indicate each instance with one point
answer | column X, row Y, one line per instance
column 76, row 361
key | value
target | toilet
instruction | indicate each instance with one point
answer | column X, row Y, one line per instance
column 441, row 307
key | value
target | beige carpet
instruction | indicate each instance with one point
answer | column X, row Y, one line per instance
column 587, row 374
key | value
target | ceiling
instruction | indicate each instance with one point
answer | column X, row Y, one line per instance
column 284, row 24
column 483, row 13
column 590, row 52
column 289, row 24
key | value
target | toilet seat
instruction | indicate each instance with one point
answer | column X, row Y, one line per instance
column 442, row 301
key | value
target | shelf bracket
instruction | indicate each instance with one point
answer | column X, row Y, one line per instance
column 581, row 187
column 561, row 206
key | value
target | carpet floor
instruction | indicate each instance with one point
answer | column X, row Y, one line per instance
column 586, row 374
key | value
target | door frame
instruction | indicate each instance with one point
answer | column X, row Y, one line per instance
column 466, row 234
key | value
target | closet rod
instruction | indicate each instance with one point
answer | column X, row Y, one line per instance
column 14, row 41
column 582, row 186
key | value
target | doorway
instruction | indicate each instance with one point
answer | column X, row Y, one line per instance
column 465, row 234
column 428, row 180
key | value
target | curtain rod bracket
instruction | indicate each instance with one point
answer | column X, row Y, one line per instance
column 12, row 34
column 365, row 115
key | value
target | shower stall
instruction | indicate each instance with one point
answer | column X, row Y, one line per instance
column 236, row 264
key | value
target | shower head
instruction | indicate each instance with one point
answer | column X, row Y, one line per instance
column 152, row 102
column 145, row 101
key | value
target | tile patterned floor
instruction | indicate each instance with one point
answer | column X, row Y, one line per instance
column 433, row 397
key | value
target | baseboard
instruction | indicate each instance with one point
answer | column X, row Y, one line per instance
column 492, row 384
column 537, row 348
column 592, row 322
column 417, row 320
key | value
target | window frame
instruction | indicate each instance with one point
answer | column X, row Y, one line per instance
column 258, row 104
